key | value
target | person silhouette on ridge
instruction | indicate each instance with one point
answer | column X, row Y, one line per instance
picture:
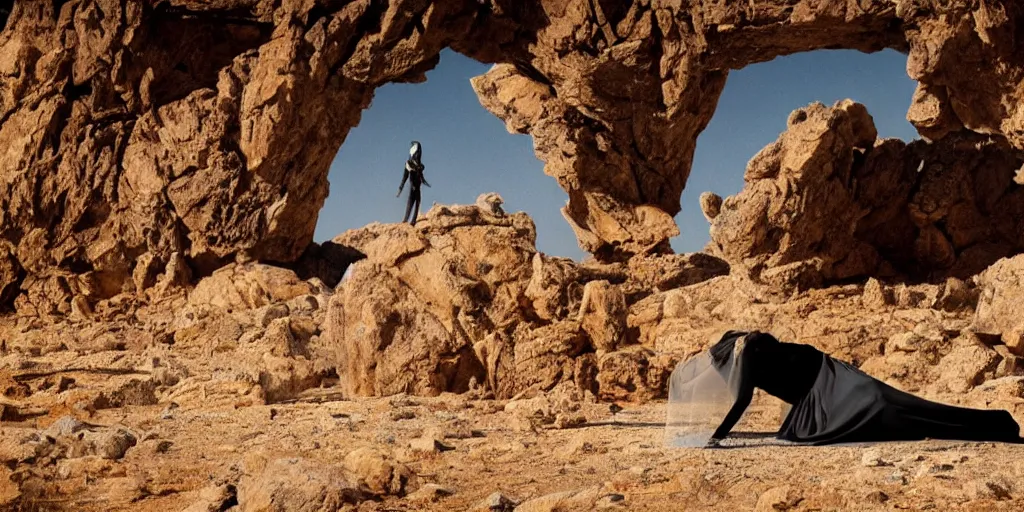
column 413, row 173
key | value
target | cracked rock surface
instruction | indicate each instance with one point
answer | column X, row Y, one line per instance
column 148, row 138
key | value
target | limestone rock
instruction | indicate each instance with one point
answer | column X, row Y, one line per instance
column 1002, row 293
column 873, row 458
column 211, row 499
column 556, row 285
column 956, row 294
column 666, row 272
column 298, row 485
column 176, row 276
column 636, row 373
column 376, row 472
column 496, row 502
column 546, row 356
column 710, row 205
column 410, row 315
column 225, row 142
column 68, row 438
column 239, row 287
column 778, row 499
column 931, row 113
column 827, row 202
column 815, row 153
column 967, row 365
column 877, row 296
column 996, row 489
column 429, row 493
column 490, row 203
column 428, row 444
column 583, row 499
column 603, row 315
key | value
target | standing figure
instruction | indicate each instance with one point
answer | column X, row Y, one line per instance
column 413, row 173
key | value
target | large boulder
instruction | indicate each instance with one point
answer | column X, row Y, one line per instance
column 603, row 315
column 299, row 485
column 464, row 299
column 410, row 314
column 794, row 221
column 999, row 307
column 248, row 286
column 827, row 203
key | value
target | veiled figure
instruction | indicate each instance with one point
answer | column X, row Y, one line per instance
column 831, row 401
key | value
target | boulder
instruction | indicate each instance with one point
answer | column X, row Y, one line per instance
column 297, row 485
column 827, row 202
column 408, row 318
column 248, row 286
column 603, row 315
column 998, row 311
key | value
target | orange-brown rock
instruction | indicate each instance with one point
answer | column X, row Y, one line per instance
column 464, row 297
column 408, row 317
column 603, row 315
column 828, row 203
column 206, row 128
column 164, row 163
column 230, row 393
column 999, row 306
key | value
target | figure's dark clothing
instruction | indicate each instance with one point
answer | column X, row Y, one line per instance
column 834, row 402
column 414, row 198
column 414, row 174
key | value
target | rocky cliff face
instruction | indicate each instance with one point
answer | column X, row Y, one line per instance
column 146, row 138
column 828, row 203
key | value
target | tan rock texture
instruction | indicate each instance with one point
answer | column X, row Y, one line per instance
column 464, row 299
column 492, row 364
column 828, row 203
column 409, row 316
column 999, row 304
column 134, row 131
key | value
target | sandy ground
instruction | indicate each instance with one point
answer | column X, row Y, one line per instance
column 613, row 461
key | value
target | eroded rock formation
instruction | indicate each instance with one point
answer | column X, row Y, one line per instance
column 146, row 135
column 244, row 390
column 464, row 299
column 829, row 203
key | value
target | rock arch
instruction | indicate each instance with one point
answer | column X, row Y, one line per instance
column 141, row 138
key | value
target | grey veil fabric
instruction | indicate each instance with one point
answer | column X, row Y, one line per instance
column 700, row 396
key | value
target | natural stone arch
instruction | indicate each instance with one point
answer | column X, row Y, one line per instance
column 141, row 136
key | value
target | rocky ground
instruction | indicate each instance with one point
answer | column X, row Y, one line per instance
column 458, row 369
column 153, row 357
column 456, row 453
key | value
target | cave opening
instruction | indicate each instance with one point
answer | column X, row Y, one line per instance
column 467, row 151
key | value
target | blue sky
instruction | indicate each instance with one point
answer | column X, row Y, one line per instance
column 467, row 151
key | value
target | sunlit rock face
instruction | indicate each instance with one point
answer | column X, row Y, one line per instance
column 828, row 203
column 145, row 139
